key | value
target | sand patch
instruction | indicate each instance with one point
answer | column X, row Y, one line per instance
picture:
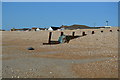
column 68, row 56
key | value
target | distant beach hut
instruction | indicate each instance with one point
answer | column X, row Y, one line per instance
column 50, row 29
column 53, row 28
column 38, row 29
column 34, row 29
column 107, row 26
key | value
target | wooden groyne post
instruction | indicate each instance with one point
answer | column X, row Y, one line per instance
column 83, row 34
column 93, row 32
column 110, row 30
column 73, row 34
column 61, row 33
column 101, row 31
column 50, row 35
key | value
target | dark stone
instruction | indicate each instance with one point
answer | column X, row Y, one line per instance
column 30, row 48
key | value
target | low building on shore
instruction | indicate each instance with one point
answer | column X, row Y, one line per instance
column 2, row 30
column 75, row 26
column 38, row 29
column 53, row 28
column 23, row 29
column 33, row 29
column 107, row 26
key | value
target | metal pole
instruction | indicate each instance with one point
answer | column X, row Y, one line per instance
column 106, row 23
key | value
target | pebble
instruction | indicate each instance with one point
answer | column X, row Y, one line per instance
column 12, row 71
column 30, row 48
column 18, row 77
column 72, row 62
column 18, row 70
column 7, row 66
column 50, row 72
column 30, row 69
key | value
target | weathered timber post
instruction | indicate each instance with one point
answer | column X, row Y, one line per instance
column 83, row 34
column 73, row 34
column 101, row 31
column 61, row 33
column 49, row 40
column 110, row 30
column 93, row 32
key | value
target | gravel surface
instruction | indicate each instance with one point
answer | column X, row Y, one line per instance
column 80, row 58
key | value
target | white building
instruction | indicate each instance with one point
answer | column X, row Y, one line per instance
column 50, row 29
column 107, row 26
column 53, row 28
column 38, row 29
